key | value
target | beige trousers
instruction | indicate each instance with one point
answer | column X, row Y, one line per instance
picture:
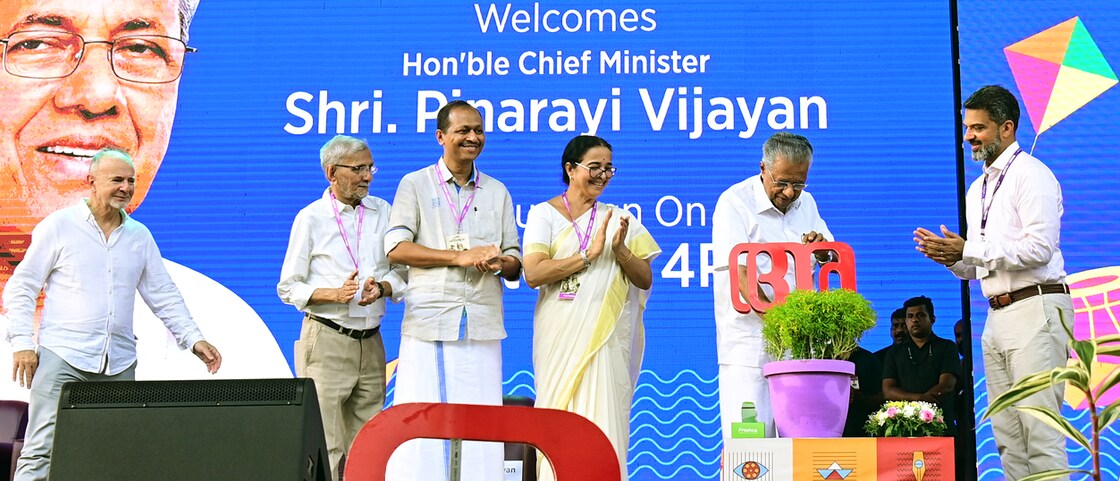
column 1019, row 340
column 349, row 377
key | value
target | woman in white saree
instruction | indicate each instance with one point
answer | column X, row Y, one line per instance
column 588, row 337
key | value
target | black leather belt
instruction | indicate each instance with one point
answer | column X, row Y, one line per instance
column 345, row 331
column 1003, row 300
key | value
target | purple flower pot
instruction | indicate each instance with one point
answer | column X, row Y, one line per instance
column 809, row 398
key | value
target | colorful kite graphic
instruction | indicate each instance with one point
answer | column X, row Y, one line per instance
column 1058, row 71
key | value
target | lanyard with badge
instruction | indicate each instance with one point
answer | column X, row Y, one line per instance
column 570, row 284
column 986, row 207
column 459, row 241
column 356, row 310
column 355, row 253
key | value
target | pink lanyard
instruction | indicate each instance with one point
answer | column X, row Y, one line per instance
column 984, row 209
column 586, row 238
column 342, row 230
column 451, row 204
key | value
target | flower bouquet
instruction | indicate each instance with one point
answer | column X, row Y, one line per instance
column 906, row 419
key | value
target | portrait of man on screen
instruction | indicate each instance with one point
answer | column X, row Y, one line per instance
column 79, row 77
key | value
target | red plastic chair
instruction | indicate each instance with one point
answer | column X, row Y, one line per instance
column 577, row 448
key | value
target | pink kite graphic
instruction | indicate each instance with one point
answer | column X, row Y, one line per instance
column 1058, row 71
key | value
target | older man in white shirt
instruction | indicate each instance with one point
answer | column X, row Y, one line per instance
column 770, row 207
column 454, row 227
column 1014, row 213
column 92, row 259
column 336, row 272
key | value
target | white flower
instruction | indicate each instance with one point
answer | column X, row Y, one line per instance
column 881, row 417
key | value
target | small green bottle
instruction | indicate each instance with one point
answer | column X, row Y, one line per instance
column 748, row 413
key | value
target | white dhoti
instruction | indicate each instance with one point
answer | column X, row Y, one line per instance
column 463, row 371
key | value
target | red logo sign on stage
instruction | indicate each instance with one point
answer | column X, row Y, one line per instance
column 842, row 263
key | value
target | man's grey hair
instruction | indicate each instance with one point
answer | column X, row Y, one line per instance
column 121, row 155
column 793, row 148
column 340, row 147
column 186, row 14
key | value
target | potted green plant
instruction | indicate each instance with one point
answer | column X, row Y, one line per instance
column 811, row 334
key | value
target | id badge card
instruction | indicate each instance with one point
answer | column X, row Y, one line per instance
column 568, row 287
column 458, row 242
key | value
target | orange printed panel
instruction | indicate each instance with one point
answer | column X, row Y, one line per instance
column 916, row 459
column 853, row 459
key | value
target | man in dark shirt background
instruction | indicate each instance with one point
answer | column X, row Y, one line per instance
column 899, row 334
column 925, row 368
column 867, row 392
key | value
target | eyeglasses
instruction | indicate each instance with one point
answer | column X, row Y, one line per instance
column 359, row 169
column 597, row 172
column 149, row 59
column 783, row 185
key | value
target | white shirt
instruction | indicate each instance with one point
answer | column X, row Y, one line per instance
column 317, row 258
column 745, row 214
column 91, row 285
column 438, row 296
column 1020, row 244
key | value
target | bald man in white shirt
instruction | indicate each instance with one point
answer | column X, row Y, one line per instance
column 92, row 259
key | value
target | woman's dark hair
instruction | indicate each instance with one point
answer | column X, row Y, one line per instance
column 575, row 151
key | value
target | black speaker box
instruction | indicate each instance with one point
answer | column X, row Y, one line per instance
column 250, row 429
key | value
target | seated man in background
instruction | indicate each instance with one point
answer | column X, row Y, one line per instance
column 898, row 333
column 926, row 367
column 867, row 392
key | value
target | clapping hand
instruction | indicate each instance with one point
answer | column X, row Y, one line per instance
column 371, row 292
column 946, row 250
column 349, row 288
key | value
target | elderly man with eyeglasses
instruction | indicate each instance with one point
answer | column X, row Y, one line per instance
column 337, row 274
column 80, row 76
column 770, row 207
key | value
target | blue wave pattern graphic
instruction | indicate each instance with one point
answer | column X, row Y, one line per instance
column 674, row 424
column 675, row 433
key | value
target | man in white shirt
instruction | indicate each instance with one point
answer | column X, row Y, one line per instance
column 62, row 104
column 336, row 272
column 86, row 331
column 1014, row 213
column 454, row 227
column 770, row 207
